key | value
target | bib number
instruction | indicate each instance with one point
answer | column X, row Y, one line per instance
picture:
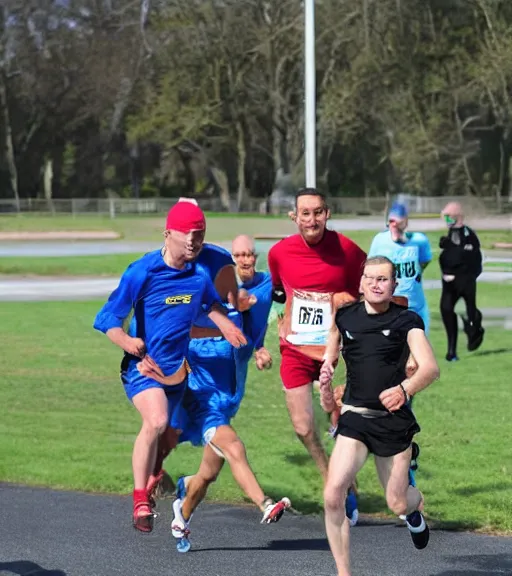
column 308, row 316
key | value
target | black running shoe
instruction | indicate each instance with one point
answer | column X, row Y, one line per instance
column 418, row 528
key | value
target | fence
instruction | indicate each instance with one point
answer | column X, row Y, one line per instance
column 114, row 207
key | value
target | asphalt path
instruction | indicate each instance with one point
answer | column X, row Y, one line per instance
column 98, row 248
column 76, row 288
column 49, row 533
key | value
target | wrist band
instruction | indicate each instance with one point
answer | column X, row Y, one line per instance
column 406, row 396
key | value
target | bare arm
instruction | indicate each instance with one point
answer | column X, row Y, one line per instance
column 395, row 397
column 332, row 348
column 231, row 333
column 428, row 369
column 119, row 337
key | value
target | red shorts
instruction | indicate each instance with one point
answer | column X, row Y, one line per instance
column 297, row 369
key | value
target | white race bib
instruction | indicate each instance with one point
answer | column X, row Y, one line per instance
column 310, row 316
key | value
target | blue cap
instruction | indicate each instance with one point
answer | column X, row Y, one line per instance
column 398, row 211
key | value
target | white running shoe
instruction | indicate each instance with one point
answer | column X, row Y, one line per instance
column 179, row 527
column 274, row 510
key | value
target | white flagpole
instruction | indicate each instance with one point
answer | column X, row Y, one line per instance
column 310, row 93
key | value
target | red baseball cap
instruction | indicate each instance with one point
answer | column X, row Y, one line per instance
column 185, row 216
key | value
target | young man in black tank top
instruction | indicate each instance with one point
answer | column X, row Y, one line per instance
column 377, row 337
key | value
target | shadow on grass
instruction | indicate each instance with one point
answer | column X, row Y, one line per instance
column 298, row 459
column 471, row 490
column 27, row 568
column 480, row 353
column 479, row 565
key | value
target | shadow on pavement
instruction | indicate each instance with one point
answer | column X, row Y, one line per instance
column 479, row 565
column 27, row 568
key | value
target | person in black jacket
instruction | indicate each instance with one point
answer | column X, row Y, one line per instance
column 461, row 264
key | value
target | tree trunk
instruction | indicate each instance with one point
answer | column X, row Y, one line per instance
column 8, row 142
column 48, row 178
column 242, row 156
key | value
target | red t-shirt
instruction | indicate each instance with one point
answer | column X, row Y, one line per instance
column 332, row 265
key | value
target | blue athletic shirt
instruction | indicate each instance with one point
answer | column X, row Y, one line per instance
column 408, row 257
column 165, row 303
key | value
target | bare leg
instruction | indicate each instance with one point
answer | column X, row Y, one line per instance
column 153, row 407
column 347, row 458
column 393, row 473
column 299, row 402
column 197, row 486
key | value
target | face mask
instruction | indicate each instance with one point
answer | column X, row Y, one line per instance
column 449, row 220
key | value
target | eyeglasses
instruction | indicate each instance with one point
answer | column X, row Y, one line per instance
column 237, row 255
column 377, row 279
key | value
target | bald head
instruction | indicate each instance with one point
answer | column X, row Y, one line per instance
column 244, row 254
column 242, row 243
column 453, row 214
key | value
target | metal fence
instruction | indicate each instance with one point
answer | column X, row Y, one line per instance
column 114, row 207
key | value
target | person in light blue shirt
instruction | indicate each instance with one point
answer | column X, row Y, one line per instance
column 411, row 254
column 163, row 292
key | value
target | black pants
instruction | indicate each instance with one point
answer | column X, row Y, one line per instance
column 462, row 287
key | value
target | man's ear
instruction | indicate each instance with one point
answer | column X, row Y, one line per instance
column 292, row 215
column 328, row 211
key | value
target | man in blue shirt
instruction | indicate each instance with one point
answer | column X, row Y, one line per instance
column 164, row 291
column 411, row 254
column 216, row 386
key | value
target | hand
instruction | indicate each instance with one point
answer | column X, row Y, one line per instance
column 327, row 401
column 392, row 398
column 263, row 359
column 326, row 372
column 245, row 300
column 148, row 367
column 338, row 395
column 232, row 333
column 135, row 347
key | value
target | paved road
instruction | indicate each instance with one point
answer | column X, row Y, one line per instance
column 47, row 533
column 95, row 248
column 74, row 288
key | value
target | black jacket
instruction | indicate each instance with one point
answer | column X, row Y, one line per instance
column 461, row 254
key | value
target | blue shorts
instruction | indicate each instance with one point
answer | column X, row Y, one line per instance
column 134, row 383
column 201, row 421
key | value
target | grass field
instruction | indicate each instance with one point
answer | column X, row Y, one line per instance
column 66, row 422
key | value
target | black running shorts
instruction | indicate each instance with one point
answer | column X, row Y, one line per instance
column 384, row 436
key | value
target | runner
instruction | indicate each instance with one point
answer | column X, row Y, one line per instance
column 165, row 291
column 377, row 337
column 461, row 264
column 309, row 271
column 216, row 387
column 411, row 254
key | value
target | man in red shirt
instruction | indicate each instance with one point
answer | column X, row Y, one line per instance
column 313, row 272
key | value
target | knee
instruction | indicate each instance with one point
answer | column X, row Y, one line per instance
column 156, row 424
column 234, row 451
column 208, row 477
column 304, row 428
column 334, row 496
column 397, row 503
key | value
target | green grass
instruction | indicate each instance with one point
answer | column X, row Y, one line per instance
column 115, row 264
column 66, row 422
